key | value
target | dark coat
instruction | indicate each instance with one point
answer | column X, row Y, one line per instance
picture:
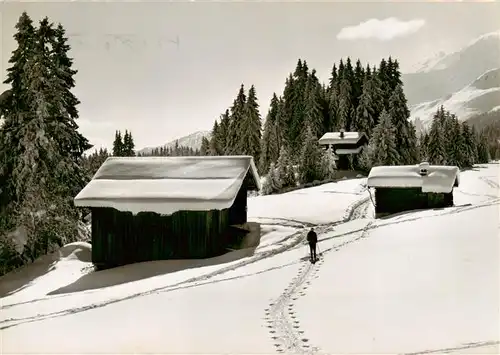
column 312, row 237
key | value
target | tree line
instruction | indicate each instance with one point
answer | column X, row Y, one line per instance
column 356, row 98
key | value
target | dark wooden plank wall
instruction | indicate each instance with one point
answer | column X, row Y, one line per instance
column 120, row 238
column 394, row 200
column 238, row 211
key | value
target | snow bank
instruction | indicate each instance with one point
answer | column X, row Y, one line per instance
column 437, row 178
column 166, row 185
column 48, row 272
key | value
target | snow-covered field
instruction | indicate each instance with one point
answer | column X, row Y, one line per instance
column 414, row 283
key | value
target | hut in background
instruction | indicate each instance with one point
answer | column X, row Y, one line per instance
column 412, row 187
column 344, row 145
column 155, row 208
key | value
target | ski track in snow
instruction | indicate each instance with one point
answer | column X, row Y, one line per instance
column 281, row 319
column 295, row 240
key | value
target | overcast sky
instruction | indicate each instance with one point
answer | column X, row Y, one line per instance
column 134, row 74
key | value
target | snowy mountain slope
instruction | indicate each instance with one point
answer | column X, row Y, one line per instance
column 418, row 282
column 429, row 63
column 481, row 96
column 192, row 140
column 449, row 73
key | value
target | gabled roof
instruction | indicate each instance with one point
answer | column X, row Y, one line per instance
column 437, row 178
column 166, row 185
column 335, row 138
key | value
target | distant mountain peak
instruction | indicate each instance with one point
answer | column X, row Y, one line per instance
column 192, row 140
column 485, row 36
column 442, row 60
column 446, row 75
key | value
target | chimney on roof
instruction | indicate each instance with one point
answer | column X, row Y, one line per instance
column 342, row 133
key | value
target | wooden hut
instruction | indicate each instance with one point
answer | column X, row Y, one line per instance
column 154, row 208
column 412, row 187
column 344, row 145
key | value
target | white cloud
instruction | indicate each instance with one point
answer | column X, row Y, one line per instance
column 382, row 30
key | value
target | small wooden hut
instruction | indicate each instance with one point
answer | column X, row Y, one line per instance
column 155, row 208
column 412, row 187
column 344, row 145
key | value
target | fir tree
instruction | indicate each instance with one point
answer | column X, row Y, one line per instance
column 436, row 153
column 382, row 147
column 406, row 137
column 223, row 131
column 310, row 160
column 270, row 147
column 483, row 154
column 215, row 143
column 470, row 151
column 205, row 146
column 333, row 109
column 128, row 145
column 44, row 169
column 272, row 182
column 250, row 127
column 118, row 145
column 365, row 112
column 236, row 117
column 313, row 109
column 328, row 165
column 16, row 105
column 284, row 169
column 344, row 108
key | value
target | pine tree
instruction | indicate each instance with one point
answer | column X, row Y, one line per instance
column 205, row 146
column 223, row 131
column 344, row 108
column 63, row 69
column 270, row 147
column 236, row 117
column 382, row 147
column 250, row 127
column 357, row 86
column 44, row 169
column 333, row 109
column 310, row 160
column 118, row 145
column 470, row 147
column 328, row 165
column 272, row 182
column 406, row 138
column 16, row 105
column 284, row 169
column 365, row 112
column 483, row 154
column 128, row 145
column 313, row 109
column 436, row 153
column 215, row 143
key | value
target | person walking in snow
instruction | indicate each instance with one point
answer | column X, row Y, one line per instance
column 312, row 239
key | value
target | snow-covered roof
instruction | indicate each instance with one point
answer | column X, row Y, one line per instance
column 348, row 151
column 438, row 178
column 166, row 185
column 335, row 138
